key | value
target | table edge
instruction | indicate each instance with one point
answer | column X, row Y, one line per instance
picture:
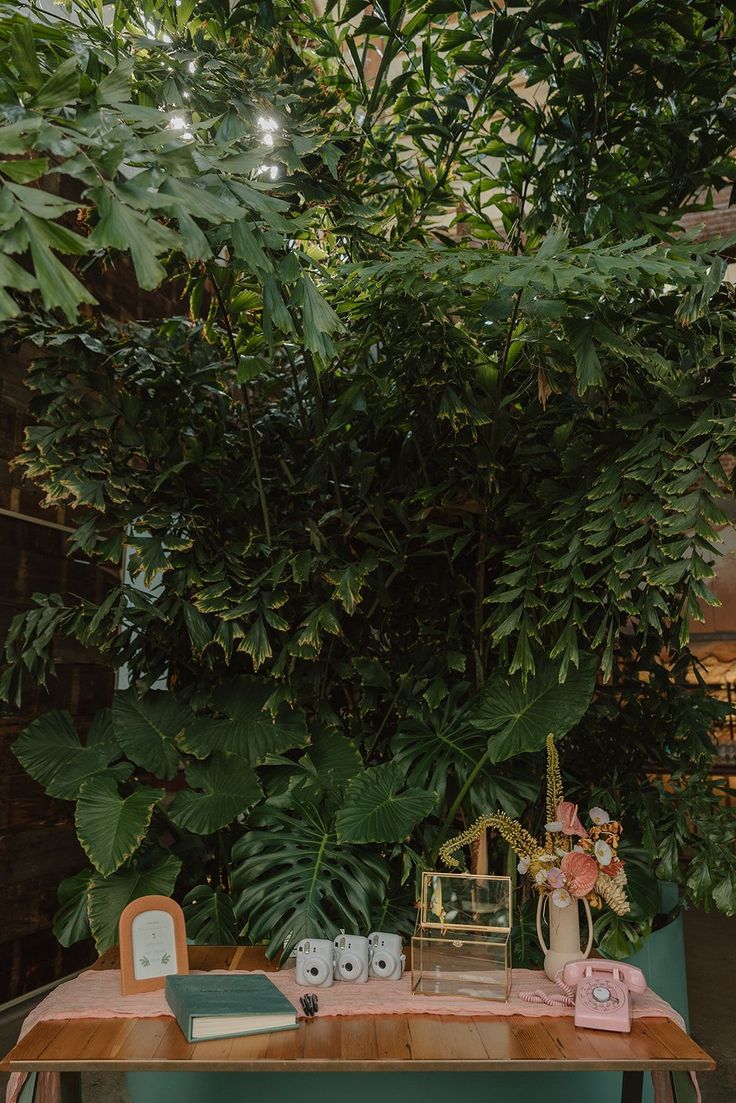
column 330, row 1064
column 192, row 1063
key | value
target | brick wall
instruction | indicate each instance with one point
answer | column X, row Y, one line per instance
column 38, row 845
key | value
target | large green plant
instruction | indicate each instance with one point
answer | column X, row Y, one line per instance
column 405, row 497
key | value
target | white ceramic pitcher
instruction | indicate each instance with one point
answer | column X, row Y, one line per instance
column 564, row 934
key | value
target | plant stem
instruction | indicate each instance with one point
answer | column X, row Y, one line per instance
column 246, row 406
column 297, row 388
column 383, row 723
column 480, row 584
column 222, row 861
column 322, row 423
column 449, row 818
column 600, row 96
column 386, row 58
column 443, row 174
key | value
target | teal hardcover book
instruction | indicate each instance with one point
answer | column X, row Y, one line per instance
column 226, row 1005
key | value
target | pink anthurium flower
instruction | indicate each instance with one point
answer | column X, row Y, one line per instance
column 581, row 873
column 567, row 814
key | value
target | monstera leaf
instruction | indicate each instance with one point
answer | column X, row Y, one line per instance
column 443, row 745
column 522, row 716
column 147, row 726
column 108, row 896
column 70, row 922
column 53, row 754
column 432, row 750
column 292, row 879
column 512, row 791
column 111, row 827
column 379, row 809
column 229, row 787
column 210, row 916
column 250, row 730
column 617, row 937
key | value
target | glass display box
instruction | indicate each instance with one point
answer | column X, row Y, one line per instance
column 461, row 944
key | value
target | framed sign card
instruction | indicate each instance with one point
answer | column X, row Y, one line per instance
column 153, row 944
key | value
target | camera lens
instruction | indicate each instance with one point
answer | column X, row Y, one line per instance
column 385, row 965
column 348, row 966
column 316, row 972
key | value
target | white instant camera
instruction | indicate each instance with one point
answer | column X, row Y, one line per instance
column 352, row 957
column 315, row 962
column 387, row 960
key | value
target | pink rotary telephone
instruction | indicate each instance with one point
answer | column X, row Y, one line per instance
column 602, row 996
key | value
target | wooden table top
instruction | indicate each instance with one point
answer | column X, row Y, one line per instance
column 371, row 1043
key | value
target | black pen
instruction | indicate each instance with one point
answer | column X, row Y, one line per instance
column 315, row 1002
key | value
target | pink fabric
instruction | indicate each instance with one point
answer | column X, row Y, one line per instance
column 96, row 994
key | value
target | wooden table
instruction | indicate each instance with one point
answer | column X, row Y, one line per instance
column 394, row 1043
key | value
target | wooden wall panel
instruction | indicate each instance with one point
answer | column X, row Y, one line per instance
column 38, row 845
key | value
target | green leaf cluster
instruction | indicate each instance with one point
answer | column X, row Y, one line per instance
column 426, row 467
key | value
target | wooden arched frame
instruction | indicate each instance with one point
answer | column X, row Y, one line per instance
column 128, row 951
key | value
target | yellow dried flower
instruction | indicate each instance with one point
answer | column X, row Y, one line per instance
column 555, row 794
column 518, row 838
column 536, row 859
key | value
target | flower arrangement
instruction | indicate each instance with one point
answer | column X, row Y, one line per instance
column 574, row 861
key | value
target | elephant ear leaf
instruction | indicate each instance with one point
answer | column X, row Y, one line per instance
column 210, row 916
column 250, row 730
column 147, row 726
column 334, row 758
column 522, row 716
column 53, row 754
column 378, row 809
column 229, row 786
column 108, row 896
column 111, row 827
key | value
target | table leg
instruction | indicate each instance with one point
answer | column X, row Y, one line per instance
column 632, row 1086
column 71, row 1087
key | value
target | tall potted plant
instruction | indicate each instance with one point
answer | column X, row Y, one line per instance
column 430, row 471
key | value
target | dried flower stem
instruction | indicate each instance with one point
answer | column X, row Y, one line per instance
column 518, row 838
column 555, row 795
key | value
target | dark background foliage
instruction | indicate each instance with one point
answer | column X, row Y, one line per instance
column 430, row 469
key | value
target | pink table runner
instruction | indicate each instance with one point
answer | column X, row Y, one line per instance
column 96, row 994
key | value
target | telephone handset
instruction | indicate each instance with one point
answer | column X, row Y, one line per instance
column 602, row 992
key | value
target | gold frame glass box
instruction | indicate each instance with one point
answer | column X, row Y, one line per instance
column 461, row 944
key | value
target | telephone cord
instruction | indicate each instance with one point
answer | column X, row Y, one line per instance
column 552, row 999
